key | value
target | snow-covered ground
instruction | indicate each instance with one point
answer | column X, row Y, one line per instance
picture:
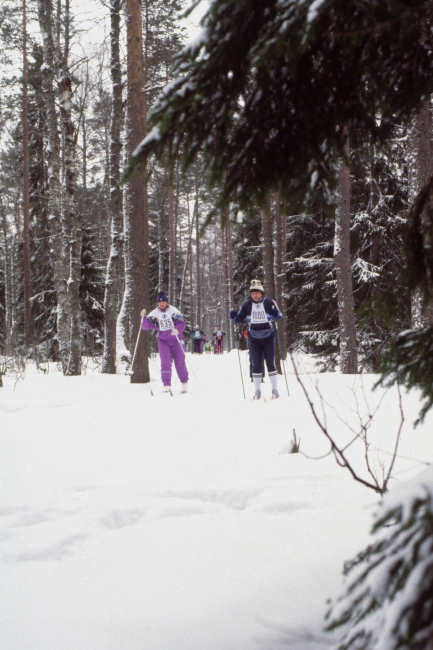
column 133, row 522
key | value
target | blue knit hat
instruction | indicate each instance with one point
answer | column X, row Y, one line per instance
column 161, row 296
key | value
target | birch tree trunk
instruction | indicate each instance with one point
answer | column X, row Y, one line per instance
column 420, row 171
column 26, row 193
column 113, row 279
column 58, row 247
column 73, row 224
column 346, row 311
column 136, row 218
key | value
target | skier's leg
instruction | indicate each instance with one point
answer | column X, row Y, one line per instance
column 269, row 351
column 256, row 348
column 165, row 356
column 179, row 361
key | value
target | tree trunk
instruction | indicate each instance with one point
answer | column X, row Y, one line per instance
column 26, row 194
column 136, row 218
column 284, row 322
column 268, row 252
column 113, row 279
column 58, row 247
column 197, row 256
column 346, row 311
column 280, row 258
column 8, row 282
column 375, row 254
column 172, row 253
column 186, row 265
column 420, row 171
column 74, row 232
column 225, row 272
column 230, row 274
column 268, row 266
column 191, row 290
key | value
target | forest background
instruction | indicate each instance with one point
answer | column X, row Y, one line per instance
column 81, row 254
column 349, row 262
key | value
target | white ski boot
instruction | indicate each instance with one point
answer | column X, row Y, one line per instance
column 166, row 389
column 275, row 394
column 257, row 396
column 184, row 388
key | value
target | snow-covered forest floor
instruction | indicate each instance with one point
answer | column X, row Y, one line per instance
column 133, row 522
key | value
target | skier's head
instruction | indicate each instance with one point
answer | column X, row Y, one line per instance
column 196, row 327
column 256, row 290
column 162, row 300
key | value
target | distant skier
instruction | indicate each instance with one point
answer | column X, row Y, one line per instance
column 219, row 339
column 198, row 337
column 170, row 325
column 260, row 312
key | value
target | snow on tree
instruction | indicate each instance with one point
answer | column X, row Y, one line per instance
column 270, row 91
column 388, row 603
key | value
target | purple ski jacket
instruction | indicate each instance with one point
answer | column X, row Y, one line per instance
column 163, row 320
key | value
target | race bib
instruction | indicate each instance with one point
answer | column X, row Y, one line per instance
column 197, row 335
column 164, row 318
column 258, row 314
column 165, row 322
column 219, row 333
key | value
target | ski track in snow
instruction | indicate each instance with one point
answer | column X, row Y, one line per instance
column 131, row 521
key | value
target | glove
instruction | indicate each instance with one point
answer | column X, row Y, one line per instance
column 143, row 312
column 273, row 312
column 174, row 332
column 233, row 314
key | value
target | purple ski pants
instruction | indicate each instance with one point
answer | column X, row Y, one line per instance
column 169, row 349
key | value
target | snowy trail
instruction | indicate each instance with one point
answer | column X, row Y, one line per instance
column 131, row 521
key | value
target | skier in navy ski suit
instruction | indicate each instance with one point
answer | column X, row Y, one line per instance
column 260, row 312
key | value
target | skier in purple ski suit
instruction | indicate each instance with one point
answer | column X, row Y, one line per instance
column 170, row 325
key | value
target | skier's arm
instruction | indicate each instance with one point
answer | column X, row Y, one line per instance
column 239, row 317
column 273, row 311
column 179, row 322
column 149, row 323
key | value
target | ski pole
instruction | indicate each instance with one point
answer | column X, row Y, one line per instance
column 239, row 357
column 136, row 346
column 188, row 364
column 281, row 357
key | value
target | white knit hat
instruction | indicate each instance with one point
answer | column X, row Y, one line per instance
column 256, row 285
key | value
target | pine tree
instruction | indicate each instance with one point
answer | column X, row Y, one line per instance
column 388, row 601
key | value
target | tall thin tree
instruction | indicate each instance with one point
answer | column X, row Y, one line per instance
column 346, row 310
column 114, row 266
column 58, row 244
column 26, row 192
column 135, row 213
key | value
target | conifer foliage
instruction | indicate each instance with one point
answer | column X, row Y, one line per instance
column 271, row 90
column 389, row 597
